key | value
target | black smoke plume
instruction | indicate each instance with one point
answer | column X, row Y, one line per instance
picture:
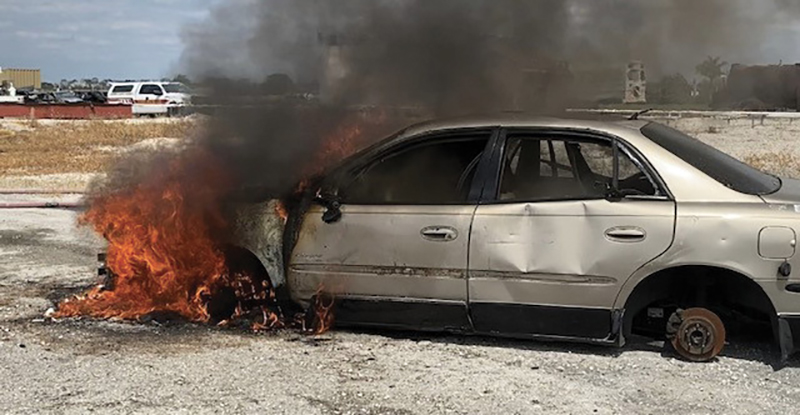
column 444, row 57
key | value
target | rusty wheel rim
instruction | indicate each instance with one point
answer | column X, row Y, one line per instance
column 700, row 336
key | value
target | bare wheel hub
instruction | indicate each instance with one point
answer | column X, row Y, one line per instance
column 697, row 338
column 697, row 334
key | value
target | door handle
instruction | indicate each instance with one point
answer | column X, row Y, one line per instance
column 439, row 233
column 626, row 234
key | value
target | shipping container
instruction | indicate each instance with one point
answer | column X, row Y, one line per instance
column 22, row 78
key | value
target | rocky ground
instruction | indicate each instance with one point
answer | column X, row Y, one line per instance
column 87, row 366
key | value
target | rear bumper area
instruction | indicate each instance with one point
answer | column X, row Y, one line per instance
column 789, row 335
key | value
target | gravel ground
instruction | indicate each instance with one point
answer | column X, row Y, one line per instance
column 106, row 367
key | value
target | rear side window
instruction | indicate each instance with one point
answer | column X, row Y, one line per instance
column 559, row 168
column 721, row 167
column 121, row 89
column 151, row 89
column 434, row 173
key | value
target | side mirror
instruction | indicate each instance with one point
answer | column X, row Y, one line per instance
column 332, row 204
column 158, row 92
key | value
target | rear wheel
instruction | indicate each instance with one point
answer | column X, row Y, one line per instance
column 697, row 334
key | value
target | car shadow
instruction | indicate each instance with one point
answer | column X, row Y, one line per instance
column 740, row 349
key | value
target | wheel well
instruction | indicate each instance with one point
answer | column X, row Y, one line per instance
column 240, row 259
column 222, row 304
column 735, row 297
column 243, row 259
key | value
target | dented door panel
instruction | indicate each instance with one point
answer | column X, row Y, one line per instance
column 561, row 254
column 384, row 252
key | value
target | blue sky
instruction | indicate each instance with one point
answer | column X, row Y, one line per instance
column 96, row 38
column 120, row 39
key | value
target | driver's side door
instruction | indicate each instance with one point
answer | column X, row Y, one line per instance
column 398, row 254
column 549, row 250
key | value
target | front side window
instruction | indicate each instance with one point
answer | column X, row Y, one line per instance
column 557, row 168
column 439, row 172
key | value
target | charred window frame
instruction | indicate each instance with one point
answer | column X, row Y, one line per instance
column 491, row 189
column 475, row 172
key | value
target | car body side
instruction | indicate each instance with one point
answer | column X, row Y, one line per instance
column 703, row 224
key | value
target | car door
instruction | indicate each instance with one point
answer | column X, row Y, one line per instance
column 397, row 256
column 569, row 218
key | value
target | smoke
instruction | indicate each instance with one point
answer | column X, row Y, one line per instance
column 450, row 57
column 418, row 43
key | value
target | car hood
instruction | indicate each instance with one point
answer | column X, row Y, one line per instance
column 788, row 193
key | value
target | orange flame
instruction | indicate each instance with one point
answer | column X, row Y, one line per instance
column 282, row 212
column 161, row 243
column 323, row 311
column 164, row 244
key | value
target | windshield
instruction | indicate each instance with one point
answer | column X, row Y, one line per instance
column 66, row 94
column 176, row 88
column 716, row 164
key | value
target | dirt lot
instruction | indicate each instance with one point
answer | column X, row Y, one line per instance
column 107, row 367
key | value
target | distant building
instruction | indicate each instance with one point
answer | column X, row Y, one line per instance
column 635, row 84
column 22, row 78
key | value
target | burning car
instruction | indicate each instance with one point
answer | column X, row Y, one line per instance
column 550, row 229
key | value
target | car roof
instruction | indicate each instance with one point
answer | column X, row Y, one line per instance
column 519, row 120
column 141, row 82
column 629, row 130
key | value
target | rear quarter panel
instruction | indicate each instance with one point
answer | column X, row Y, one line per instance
column 726, row 235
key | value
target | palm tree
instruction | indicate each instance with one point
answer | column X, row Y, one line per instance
column 711, row 68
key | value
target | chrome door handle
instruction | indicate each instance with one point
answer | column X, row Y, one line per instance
column 439, row 233
column 626, row 234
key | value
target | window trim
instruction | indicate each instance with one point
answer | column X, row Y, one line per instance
column 491, row 192
column 343, row 177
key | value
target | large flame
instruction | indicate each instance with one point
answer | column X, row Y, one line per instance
column 163, row 243
column 165, row 251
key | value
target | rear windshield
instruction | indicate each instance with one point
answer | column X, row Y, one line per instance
column 716, row 164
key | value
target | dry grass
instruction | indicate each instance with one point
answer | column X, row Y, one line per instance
column 77, row 147
column 782, row 164
column 74, row 151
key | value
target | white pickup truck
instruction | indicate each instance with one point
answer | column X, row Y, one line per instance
column 151, row 98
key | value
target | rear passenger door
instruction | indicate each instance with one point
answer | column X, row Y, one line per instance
column 550, row 249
